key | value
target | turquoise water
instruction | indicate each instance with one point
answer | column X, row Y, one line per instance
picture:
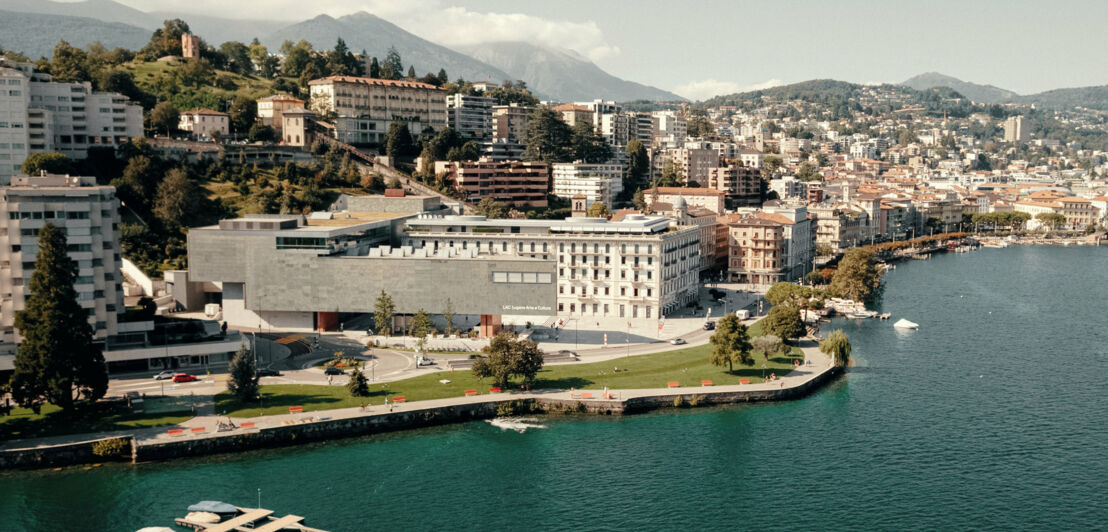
column 991, row 416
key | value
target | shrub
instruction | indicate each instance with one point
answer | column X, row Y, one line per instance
column 112, row 448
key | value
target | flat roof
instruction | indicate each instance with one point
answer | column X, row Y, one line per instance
column 321, row 224
column 632, row 223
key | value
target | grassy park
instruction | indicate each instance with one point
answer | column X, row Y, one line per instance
column 686, row 366
column 101, row 417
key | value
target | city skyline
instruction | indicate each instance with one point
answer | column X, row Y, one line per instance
column 987, row 43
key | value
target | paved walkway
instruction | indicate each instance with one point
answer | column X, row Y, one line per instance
column 818, row 363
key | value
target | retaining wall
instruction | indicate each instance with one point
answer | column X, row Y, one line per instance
column 58, row 455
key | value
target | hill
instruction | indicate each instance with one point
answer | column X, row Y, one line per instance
column 816, row 90
column 363, row 31
column 973, row 91
column 104, row 10
column 159, row 80
column 562, row 75
column 36, row 34
column 1095, row 97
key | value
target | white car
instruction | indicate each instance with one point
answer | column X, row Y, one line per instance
column 167, row 374
column 677, row 341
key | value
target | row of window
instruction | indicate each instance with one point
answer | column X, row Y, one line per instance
column 522, row 278
column 596, row 309
column 607, row 291
column 50, row 215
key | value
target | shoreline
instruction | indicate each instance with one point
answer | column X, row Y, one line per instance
column 262, row 432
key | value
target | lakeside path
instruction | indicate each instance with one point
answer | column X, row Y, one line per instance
column 818, row 364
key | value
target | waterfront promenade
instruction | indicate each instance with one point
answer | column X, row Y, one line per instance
column 206, row 426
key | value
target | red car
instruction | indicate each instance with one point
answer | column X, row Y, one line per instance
column 184, row 377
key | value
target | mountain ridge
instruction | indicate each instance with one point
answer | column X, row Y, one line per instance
column 974, row 91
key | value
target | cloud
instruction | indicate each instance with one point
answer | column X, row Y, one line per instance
column 707, row 88
column 433, row 20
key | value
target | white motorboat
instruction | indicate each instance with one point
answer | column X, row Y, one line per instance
column 905, row 324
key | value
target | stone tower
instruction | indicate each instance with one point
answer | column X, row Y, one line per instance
column 580, row 206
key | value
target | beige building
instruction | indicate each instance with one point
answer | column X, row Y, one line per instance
column 1016, row 130
column 272, row 109
column 363, row 108
column 509, row 122
column 692, row 164
column 707, row 198
column 203, row 123
column 742, row 185
column 574, row 114
column 515, row 183
column 294, row 127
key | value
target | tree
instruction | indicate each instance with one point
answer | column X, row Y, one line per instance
column 508, row 355
column 399, row 140
column 69, row 63
column 768, row 344
column 784, row 321
column 784, row 293
column 731, row 343
column 196, row 72
column 164, row 117
column 392, row 68
column 358, row 385
column 297, row 58
column 177, row 199
column 857, row 276
column 50, row 162
column 598, row 210
column 243, row 113
column 238, row 57
column 587, row 146
column 448, row 316
column 490, row 208
column 243, row 382
column 1051, row 219
column 57, row 361
column 638, row 167
column 165, row 40
column 837, row 346
column 548, row 138
column 411, row 72
column 382, row 314
column 421, row 325
column 260, row 132
column 374, row 69
column 770, row 165
column 639, row 200
column 807, row 173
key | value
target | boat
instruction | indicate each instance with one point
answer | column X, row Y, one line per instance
column 905, row 324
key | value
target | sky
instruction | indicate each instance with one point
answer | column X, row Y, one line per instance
column 700, row 48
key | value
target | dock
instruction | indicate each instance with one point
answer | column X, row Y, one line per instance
column 250, row 520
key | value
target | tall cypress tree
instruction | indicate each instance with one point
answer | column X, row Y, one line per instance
column 57, row 362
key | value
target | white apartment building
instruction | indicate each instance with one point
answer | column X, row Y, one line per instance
column 640, row 126
column 89, row 214
column 470, row 116
column 597, row 182
column 38, row 115
column 363, row 108
column 204, row 123
column 669, row 124
column 1015, row 130
column 635, row 268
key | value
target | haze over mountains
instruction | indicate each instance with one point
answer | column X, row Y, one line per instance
column 35, row 26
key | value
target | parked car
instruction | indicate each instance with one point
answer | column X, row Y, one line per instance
column 266, row 372
column 677, row 341
column 184, row 377
column 333, row 371
column 709, row 326
column 167, row 374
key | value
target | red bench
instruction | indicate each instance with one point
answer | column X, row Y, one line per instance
column 744, row 381
column 199, row 430
column 247, row 425
column 705, row 383
column 586, row 395
column 175, row 432
column 672, row 384
column 471, row 393
column 398, row 399
column 494, row 389
column 296, row 409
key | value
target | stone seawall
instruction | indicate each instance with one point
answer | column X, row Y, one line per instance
column 410, row 417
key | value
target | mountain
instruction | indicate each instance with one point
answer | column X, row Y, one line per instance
column 562, row 75
column 104, row 10
column 973, row 91
column 35, row 34
column 216, row 30
column 363, row 31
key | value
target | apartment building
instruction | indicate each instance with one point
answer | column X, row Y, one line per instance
column 470, row 116
column 840, row 227
column 39, row 115
column 89, row 214
column 510, row 122
column 711, row 199
column 515, row 183
column 574, row 114
column 691, row 164
column 1016, row 130
column 770, row 245
column 636, row 268
column 363, row 108
column 204, row 123
column 272, row 109
column 596, row 182
column 742, row 185
column 640, row 126
column 669, row 124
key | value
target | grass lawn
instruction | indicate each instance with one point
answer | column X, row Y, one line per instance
column 23, row 423
column 685, row 366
